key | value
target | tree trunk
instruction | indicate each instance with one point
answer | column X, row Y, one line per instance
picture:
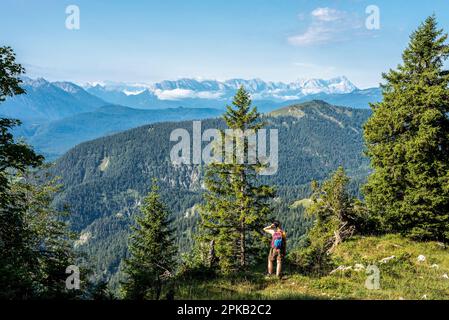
column 158, row 288
column 242, row 245
column 212, row 257
column 242, row 222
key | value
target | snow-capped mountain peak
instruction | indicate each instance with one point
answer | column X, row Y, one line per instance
column 34, row 83
column 336, row 85
column 68, row 86
column 188, row 88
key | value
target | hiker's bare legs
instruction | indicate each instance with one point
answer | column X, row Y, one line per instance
column 270, row 265
column 279, row 267
column 275, row 254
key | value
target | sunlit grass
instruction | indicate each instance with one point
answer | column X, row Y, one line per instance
column 402, row 277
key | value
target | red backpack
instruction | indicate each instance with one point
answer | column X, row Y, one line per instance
column 277, row 240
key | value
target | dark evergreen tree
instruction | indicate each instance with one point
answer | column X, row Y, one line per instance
column 335, row 215
column 102, row 292
column 151, row 258
column 16, row 258
column 48, row 238
column 35, row 243
column 236, row 205
column 13, row 156
column 333, row 209
column 407, row 139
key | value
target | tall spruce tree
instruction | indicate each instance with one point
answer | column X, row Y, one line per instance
column 407, row 140
column 334, row 210
column 48, row 237
column 152, row 253
column 17, row 259
column 236, row 205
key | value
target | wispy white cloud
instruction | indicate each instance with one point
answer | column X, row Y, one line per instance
column 327, row 25
column 328, row 14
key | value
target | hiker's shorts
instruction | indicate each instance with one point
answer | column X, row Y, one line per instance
column 275, row 254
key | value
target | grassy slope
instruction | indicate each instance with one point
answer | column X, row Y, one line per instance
column 402, row 277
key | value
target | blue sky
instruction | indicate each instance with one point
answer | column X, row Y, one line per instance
column 147, row 41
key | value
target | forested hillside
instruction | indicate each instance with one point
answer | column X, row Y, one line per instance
column 105, row 179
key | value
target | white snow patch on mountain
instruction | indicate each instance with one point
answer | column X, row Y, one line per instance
column 213, row 89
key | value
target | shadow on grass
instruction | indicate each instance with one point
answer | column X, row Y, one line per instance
column 243, row 286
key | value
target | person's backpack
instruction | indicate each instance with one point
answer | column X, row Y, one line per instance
column 277, row 241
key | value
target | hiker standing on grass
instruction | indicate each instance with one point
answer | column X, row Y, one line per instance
column 278, row 247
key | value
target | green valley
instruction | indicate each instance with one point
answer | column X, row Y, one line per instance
column 105, row 179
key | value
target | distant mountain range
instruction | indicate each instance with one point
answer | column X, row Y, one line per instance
column 58, row 115
column 214, row 94
column 214, row 89
column 45, row 101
